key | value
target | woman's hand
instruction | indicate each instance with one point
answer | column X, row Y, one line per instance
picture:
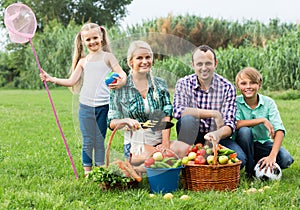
column 163, row 146
column 127, row 123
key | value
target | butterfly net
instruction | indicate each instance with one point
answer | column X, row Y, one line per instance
column 20, row 22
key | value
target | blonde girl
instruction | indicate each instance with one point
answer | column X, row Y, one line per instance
column 87, row 78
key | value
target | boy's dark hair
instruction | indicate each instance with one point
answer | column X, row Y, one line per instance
column 204, row 48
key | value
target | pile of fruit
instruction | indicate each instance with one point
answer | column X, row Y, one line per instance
column 200, row 154
column 166, row 159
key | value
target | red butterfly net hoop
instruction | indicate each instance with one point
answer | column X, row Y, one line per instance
column 20, row 22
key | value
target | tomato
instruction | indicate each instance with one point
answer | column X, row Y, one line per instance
column 194, row 149
column 148, row 162
column 199, row 145
column 232, row 156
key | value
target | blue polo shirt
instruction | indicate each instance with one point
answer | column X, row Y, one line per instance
column 266, row 108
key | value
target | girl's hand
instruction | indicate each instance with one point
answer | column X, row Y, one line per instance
column 116, row 85
column 46, row 77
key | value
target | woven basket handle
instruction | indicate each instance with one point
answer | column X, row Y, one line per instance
column 107, row 152
column 215, row 150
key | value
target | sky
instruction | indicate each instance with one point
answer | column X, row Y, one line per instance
column 262, row 10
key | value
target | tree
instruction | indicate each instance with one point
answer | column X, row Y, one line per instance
column 103, row 12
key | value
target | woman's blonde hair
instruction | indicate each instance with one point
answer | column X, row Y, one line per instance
column 139, row 44
column 250, row 73
column 79, row 49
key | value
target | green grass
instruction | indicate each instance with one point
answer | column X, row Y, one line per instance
column 36, row 173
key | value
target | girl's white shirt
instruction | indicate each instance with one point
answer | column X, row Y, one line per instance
column 94, row 92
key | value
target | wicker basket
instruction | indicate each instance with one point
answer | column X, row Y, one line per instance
column 211, row 177
column 107, row 186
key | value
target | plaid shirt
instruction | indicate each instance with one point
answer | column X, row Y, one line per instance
column 221, row 96
column 127, row 102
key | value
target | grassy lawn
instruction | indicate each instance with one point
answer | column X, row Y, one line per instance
column 36, row 173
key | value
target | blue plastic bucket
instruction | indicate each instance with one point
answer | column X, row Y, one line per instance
column 163, row 180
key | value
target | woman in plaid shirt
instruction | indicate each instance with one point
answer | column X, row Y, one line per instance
column 143, row 97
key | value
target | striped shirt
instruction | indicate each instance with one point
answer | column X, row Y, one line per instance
column 221, row 96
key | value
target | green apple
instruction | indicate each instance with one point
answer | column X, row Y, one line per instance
column 185, row 160
column 223, row 159
column 158, row 156
column 209, row 151
column 210, row 159
column 206, row 146
column 185, row 197
column 192, row 155
column 168, row 196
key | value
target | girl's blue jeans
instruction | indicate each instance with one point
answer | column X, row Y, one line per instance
column 188, row 131
column 256, row 150
column 93, row 126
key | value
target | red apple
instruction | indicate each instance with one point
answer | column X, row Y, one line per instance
column 200, row 160
column 201, row 152
column 148, row 162
column 168, row 153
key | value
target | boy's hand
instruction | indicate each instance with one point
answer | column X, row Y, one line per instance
column 270, row 128
column 267, row 162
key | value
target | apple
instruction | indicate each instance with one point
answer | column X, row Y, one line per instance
column 223, row 159
column 192, row 155
column 210, row 159
column 148, row 162
column 201, row 152
column 191, row 162
column 168, row 196
column 209, row 151
column 185, row 197
column 158, row 156
column 206, row 146
column 168, row 153
column 185, row 160
column 200, row 160
column 151, row 195
column 230, row 161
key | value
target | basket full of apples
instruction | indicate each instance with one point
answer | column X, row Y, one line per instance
column 210, row 168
